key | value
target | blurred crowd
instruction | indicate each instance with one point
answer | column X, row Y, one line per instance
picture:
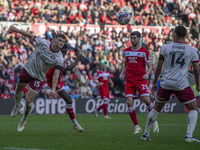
column 101, row 12
column 105, row 46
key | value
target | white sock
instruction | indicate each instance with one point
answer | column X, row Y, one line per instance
column 191, row 122
column 18, row 96
column 74, row 121
column 152, row 116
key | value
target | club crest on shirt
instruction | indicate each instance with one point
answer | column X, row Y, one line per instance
column 53, row 57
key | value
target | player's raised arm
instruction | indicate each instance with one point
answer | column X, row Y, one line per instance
column 72, row 65
column 24, row 33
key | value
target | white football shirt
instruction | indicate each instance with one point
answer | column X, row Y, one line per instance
column 42, row 59
column 177, row 59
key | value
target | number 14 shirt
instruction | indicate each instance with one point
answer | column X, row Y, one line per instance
column 177, row 59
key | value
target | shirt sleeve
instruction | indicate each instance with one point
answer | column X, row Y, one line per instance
column 195, row 57
column 39, row 40
column 162, row 51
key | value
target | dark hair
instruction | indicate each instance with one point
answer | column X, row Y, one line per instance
column 64, row 48
column 137, row 33
column 61, row 36
column 180, row 31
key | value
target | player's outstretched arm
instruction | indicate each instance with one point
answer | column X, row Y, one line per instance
column 157, row 74
column 55, row 81
column 24, row 33
column 196, row 74
column 72, row 65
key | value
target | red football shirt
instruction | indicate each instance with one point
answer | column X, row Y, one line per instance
column 136, row 62
column 50, row 73
column 103, row 77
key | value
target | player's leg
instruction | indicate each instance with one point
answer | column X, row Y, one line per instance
column 106, row 102
column 102, row 106
column 34, row 88
column 18, row 95
column 63, row 94
column 151, row 118
column 105, row 109
column 191, row 121
column 29, row 98
column 188, row 99
column 132, row 114
column 163, row 96
column 144, row 93
column 24, row 79
column 150, row 106
column 130, row 93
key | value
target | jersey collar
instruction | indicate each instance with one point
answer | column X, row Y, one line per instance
column 52, row 50
column 135, row 49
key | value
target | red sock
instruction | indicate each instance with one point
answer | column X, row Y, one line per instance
column 70, row 112
column 133, row 116
column 105, row 109
column 100, row 107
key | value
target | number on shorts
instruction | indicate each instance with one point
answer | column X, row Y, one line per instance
column 37, row 84
column 144, row 86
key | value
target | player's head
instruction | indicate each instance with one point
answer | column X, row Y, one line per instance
column 103, row 66
column 135, row 38
column 180, row 32
column 60, row 40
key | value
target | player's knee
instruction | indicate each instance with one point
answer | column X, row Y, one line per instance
column 191, row 106
column 129, row 102
column 29, row 99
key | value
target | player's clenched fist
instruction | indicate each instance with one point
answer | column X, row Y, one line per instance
column 145, row 77
column 121, row 77
column 52, row 93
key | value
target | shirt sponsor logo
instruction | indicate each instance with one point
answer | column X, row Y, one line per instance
column 53, row 57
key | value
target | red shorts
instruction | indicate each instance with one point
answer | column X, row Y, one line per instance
column 132, row 86
column 104, row 93
column 185, row 96
column 59, row 86
column 34, row 84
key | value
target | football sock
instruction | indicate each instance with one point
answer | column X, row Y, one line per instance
column 18, row 96
column 152, row 116
column 100, row 107
column 27, row 110
column 191, row 122
column 74, row 121
column 133, row 116
column 150, row 107
column 105, row 109
column 70, row 111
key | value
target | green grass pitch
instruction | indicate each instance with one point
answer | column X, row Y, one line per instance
column 55, row 132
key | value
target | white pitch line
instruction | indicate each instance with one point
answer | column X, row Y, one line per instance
column 15, row 148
